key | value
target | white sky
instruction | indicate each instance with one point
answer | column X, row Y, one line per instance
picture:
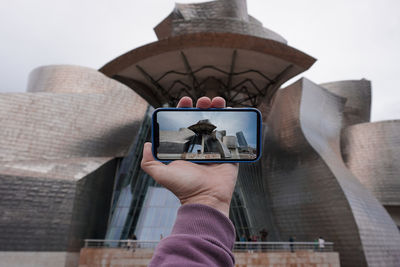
column 351, row 39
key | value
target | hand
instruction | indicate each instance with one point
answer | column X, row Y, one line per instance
column 207, row 184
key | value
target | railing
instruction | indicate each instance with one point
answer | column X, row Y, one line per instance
column 238, row 247
column 97, row 243
column 282, row 246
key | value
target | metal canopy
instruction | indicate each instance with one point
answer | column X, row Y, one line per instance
column 245, row 70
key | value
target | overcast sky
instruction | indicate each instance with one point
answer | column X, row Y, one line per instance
column 351, row 39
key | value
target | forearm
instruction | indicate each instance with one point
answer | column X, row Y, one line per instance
column 201, row 236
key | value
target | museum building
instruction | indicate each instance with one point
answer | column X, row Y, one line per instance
column 71, row 146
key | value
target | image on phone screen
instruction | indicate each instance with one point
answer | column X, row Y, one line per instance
column 207, row 135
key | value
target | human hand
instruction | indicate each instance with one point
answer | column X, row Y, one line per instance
column 207, row 184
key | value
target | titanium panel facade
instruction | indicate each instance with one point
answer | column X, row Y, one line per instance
column 47, row 125
column 312, row 191
column 358, row 99
column 58, row 158
column 372, row 152
column 60, row 143
column 44, row 214
column 74, row 79
column 212, row 48
column 214, row 16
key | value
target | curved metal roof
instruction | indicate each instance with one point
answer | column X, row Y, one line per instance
column 245, row 70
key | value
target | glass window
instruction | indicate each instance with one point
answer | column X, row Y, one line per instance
column 158, row 214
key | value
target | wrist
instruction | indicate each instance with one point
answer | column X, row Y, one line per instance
column 205, row 222
column 213, row 202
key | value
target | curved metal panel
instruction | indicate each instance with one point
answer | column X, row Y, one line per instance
column 73, row 79
column 372, row 153
column 312, row 191
column 68, row 118
column 209, row 49
column 238, row 67
column 215, row 16
column 358, row 95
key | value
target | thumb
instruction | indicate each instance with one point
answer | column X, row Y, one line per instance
column 147, row 153
column 152, row 167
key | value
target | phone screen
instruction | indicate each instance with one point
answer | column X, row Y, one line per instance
column 207, row 135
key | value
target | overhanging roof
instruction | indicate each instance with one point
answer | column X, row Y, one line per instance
column 243, row 69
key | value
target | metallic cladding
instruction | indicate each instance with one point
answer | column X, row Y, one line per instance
column 312, row 191
column 228, row 16
column 57, row 156
column 42, row 214
column 358, row 99
column 372, row 152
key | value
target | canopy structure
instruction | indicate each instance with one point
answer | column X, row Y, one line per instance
column 202, row 127
column 210, row 49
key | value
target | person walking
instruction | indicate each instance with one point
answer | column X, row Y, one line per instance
column 291, row 240
column 321, row 243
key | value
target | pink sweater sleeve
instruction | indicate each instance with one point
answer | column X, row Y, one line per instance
column 201, row 236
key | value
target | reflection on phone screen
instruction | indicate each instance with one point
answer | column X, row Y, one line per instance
column 207, row 135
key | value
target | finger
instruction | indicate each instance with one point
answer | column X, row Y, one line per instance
column 147, row 154
column 185, row 102
column 218, row 102
column 149, row 164
column 203, row 102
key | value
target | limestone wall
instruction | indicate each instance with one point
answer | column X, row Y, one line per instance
column 121, row 257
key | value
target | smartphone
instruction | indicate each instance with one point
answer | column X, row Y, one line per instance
column 207, row 135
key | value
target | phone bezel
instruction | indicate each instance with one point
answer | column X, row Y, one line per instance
column 154, row 129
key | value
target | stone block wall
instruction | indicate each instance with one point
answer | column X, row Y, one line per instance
column 141, row 257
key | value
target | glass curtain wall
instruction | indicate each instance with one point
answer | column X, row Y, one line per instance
column 130, row 187
column 140, row 206
column 238, row 214
column 251, row 209
column 158, row 214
